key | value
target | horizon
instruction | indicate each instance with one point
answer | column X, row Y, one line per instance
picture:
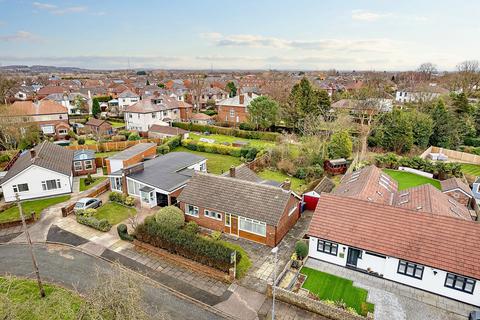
column 189, row 35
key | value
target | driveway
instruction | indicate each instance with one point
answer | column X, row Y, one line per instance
column 72, row 268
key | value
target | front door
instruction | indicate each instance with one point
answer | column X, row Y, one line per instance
column 234, row 227
column 352, row 257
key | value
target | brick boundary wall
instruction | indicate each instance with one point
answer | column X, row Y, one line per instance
column 315, row 306
column 28, row 220
column 92, row 193
column 186, row 263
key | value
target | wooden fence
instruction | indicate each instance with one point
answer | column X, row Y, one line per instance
column 453, row 155
column 114, row 145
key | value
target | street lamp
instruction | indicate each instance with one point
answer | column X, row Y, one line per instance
column 275, row 252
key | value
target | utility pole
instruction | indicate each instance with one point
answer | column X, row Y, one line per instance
column 275, row 252
column 27, row 235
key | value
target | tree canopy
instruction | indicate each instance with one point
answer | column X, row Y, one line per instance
column 263, row 112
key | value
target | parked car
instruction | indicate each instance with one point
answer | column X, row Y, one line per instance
column 86, row 203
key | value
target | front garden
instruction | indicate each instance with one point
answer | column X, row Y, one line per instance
column 337, row 291
column 114, row 212
column 12, row 214
column 407, row 180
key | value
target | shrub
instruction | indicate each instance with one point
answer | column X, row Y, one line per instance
column 81, row 141
column 163, row 149
column 123, row 232
column 86, row 213
column 116, row 197
column 301, row 249
column 246, row 126
column 129, row 201
column 212, row 148
column 4, row 158
column 170, row 216
column 125, row 133
column 102, row 225
column 216, row 235
column 186, row 244
column 134, row 136
column 89, row 180
column 261, row 135
column 249, row 153
column 119, row 137
column 191, row 227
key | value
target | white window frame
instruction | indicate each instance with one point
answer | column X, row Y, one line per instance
column 212, row 215
column 57, row 182
column 77, row 165
column 17, row 190
column 62, row 131
column 292, row 210
column 232, row 113
column 244, row 220
column 88, row 164
column 191, row 210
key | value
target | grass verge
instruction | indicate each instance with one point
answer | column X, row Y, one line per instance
column 12, row 214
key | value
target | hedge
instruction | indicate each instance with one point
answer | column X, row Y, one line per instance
column 260, row 135
column 169, row 145
column 212, row 148
column 102, row 225
column 123, row 232
column 186, row 244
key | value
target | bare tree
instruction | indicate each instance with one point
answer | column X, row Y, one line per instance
column 15, row 128
column 278, row 86
column 468, row 76
column 197, row 84
column 6, row 84
column 427, row 69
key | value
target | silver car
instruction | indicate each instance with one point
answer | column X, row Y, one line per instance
column 86, row 203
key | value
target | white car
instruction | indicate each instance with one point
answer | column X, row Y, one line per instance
column 86, row 203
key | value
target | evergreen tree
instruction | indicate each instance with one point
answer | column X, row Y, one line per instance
column 96, row 110
column 263, row 112
column 340, row 145
column 444, row 131
column 231, row 89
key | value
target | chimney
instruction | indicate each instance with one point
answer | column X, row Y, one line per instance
column 241, row 99
column 33, row 153
column 250, row 94
column 232, row 171
column 286, row 184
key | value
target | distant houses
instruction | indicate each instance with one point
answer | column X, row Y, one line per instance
column 235, row 110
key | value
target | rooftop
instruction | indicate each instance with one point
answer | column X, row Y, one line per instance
column 132, row 151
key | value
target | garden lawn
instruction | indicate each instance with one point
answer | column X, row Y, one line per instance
column 471, row 169
column 114, row 212
column 298, row 185
column 12, row 213
column 96, row 181
column 216, row 163
column 116, row 124
column 220, row 138
column 245, row 262
column 407, row 180
column 23, row 298
column 329, row 287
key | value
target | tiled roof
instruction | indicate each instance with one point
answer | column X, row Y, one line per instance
column 235, row 101
column 437, row 241
column 244, row 198
column 154, row 104
column 368, row 183
column 167, row 130
column 47, row 155
column 83, row 155
column 132, row 151
column 30, row 108
column 325, row 185
column 201, row 116
column 427, row 198
column 128, row 94
column 51, row 89
column 456, row 183
column 243, row 172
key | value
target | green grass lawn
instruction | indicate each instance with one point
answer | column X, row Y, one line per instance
column 407, row 180
column 22, row 297
column 471, row 169
column 12, row 214
column 88, row 142
column 329, row 287
column 114, row 212
column 117, row 124
column 105, row 154
column 220, row 138
column 216, row 163
column 96, row 181
column 298, row 185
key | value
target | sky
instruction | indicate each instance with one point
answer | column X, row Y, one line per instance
column 242, row 34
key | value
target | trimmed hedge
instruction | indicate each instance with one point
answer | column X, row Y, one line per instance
column 212, row 148
column 123, row 232
column 186, row 244
column 169, row 145
column 102, row 225
column 260, row 135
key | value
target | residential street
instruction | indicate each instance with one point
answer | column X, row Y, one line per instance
column 77, row 270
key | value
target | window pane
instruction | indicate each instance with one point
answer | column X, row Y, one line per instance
column 418, row 272
column 469, row 287
column 401, row 267
column 458, row 284
column 449, row 281
column 410, row 270
column 334, row 249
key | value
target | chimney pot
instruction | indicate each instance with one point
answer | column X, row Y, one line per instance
column 232, row 171
column 286, row 184
column 32, row 153
column 241, row 99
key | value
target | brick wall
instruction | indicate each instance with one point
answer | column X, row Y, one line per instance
column 286, row 221
column 224, row 114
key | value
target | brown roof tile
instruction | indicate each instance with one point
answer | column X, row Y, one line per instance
column 30, row 108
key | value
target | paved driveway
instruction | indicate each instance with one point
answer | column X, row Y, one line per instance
column 75, row 269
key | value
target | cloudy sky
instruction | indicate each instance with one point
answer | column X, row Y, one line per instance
column 241, row 34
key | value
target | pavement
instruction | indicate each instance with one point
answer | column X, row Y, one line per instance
column 76, row 270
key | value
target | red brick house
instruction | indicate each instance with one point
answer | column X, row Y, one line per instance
column 235, row 110
column 98, row 127
column 84, row 162
column 250, row 210
column 130, row 156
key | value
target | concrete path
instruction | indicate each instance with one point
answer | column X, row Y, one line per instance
column 77, row 270
column 394, row 301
